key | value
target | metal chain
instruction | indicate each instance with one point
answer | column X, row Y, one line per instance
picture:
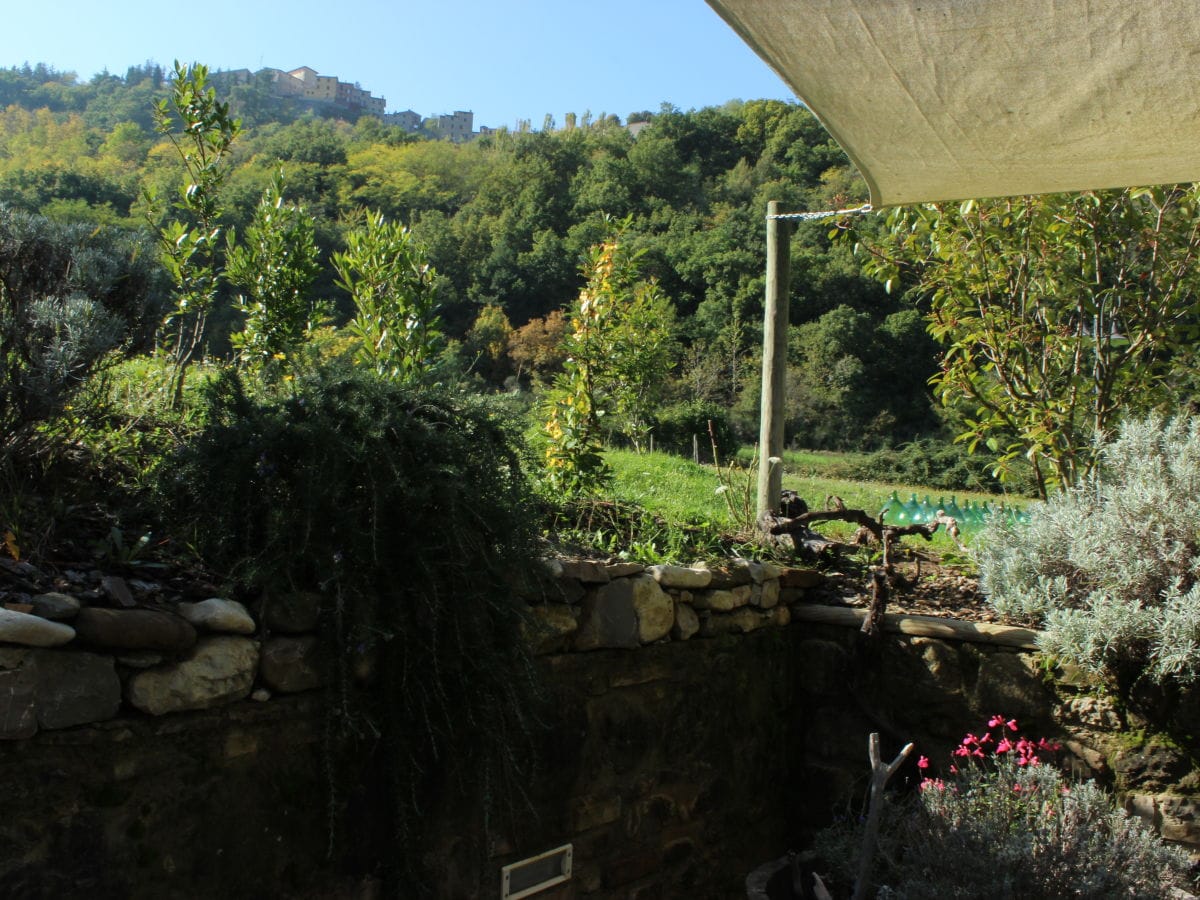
column 826, row 214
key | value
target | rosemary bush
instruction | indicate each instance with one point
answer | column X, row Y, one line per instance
column 1110, row 566
column 410, row 513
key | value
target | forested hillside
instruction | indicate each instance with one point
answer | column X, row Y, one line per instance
column 506, row 219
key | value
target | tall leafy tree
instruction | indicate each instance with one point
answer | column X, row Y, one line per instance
column 191, row 245
column 1057, row 314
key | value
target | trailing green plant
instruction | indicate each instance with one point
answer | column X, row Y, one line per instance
column 1003, row 823
column 394, row 290
column 274, row 264
column 1110, row 566
column 410, row 514
column 202, row 131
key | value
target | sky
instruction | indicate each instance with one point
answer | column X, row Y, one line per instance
column 502, row 61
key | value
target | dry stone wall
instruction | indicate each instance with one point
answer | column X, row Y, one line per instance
column 698, row 721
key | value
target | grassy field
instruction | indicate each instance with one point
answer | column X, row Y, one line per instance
column 681, row 491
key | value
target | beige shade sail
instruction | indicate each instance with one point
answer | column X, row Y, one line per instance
column 954, row 99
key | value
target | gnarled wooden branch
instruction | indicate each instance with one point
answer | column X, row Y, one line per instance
column 880, row 774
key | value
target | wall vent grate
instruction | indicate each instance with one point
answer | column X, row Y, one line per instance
column 536, row 874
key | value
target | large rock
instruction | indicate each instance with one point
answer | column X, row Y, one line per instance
column 55, row 606
column 219, row 670
column 681, row 577
column 216, row 614
column 608, row 618
column 32, row 631
column 75, row 688
column 550, row 627
column 589, row 571
column 294, row 612
column 18, row 709
column 291, row 664
column 654, row 608
column 687, row 623
column 134, row 629
column 723, row 600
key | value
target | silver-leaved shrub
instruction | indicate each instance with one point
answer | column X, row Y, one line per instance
column 1111, row 567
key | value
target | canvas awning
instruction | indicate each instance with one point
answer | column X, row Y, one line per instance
column 952, row 99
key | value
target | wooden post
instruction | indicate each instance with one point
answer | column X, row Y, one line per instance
column 774, row 366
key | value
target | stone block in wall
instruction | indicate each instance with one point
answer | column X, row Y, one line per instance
column 218, row 670
column 724, row 600
column 800, row 578
column 781, row 617
column 550, row 627
column 681, row 577
column 765, row 595
column 687, row 623
column 589, row 571
column 292, row 612
column 625, row 613
column 623, row 569
column 654, row 608
column 1153, row 766
column 29, row 630
column 75, row 688
column 608, row 619
column 1144, row 807
column 54, row 605
column 942, row 661
column 218, row 615
column 1180, row 819
column 740, row 621
column 134, row 629
column 1085, row 762
column 1009, row 684
column 790, row 595
column 1092, row 712
column 729, row 576
column 18, row 703
column 591, row 811
column 290, row 664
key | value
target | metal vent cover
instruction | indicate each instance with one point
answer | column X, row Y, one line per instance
column 536, row 874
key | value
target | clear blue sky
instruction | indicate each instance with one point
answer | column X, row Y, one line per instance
column 503, row 61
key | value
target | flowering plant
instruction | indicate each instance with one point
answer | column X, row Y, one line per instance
column 1005, row 823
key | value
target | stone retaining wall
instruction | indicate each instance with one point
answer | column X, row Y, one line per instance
column 701, row 721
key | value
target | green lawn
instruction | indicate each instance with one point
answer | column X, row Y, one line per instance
column 681, row 491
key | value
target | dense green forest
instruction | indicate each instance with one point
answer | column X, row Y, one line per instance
column 505, row 221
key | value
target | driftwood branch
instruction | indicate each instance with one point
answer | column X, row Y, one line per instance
column 884, row 575
column 880, row 774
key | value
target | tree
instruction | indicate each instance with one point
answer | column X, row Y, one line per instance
column 191, row 248
column 275, row 265
column 1058, row 314
column 618, row 357
column 394, row 291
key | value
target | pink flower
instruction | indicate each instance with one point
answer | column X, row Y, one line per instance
column 1004, row 746
column 923, row 762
